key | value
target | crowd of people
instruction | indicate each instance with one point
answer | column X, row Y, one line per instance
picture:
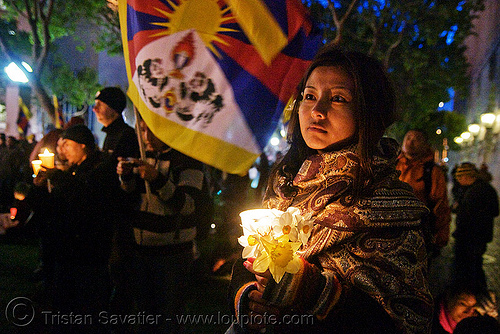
column 118, row 233
column 119, row 224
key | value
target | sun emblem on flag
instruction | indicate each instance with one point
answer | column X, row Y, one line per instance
column 205, row 16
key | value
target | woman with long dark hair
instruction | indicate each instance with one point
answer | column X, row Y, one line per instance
column 363, row 269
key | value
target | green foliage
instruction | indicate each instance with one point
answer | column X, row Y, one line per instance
column 45, row 22
column 83, row 84
column 412, row 39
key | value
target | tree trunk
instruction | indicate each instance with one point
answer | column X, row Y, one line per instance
column 43, row 98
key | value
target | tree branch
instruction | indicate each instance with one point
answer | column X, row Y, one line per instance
column 339, row 24
column 394, row 45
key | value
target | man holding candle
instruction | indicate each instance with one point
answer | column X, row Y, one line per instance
column 80, row 207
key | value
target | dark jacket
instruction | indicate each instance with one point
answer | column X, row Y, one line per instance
column 476, row 211
column 121, row 140
column 80, row 210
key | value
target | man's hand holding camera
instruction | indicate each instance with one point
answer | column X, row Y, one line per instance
column 127, row 167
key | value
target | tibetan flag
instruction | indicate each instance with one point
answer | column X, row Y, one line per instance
column 211, row 77
column 59, row 115
column 23, row 117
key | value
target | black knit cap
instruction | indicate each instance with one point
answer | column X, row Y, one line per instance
column 80, row 134
column 113, row 97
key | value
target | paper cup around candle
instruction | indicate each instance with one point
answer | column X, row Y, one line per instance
column 37, row 164
column 47, row 159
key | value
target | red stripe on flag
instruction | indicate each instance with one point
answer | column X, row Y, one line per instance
column 298, row 18
column 148, row 7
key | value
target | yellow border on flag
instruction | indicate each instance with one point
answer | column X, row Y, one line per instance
column 260, row 27
column 208, row 149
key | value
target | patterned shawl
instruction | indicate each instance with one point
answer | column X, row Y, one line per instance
column 375, row 243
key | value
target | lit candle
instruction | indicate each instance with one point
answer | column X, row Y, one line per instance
column 13, row 213
column 47, row 159
column 37, row 164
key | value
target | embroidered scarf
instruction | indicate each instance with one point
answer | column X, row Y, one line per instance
column 373, row 243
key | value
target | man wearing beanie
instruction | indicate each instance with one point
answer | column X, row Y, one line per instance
column 121, row 140
column 476, row 209
column 79, row 205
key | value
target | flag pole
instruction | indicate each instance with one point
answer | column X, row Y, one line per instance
column 142, row 150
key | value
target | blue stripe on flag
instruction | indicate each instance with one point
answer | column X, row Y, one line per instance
column 303, row 46
column 257, row 103
column 139, row 21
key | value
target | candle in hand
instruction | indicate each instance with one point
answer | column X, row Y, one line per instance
column 37, row 164
column 47, row 159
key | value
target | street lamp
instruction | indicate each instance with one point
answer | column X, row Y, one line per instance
column 15, row 73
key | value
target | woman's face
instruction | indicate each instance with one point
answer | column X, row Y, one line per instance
column 326, row 113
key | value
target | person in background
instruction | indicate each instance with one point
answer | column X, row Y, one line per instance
column 476, row 209
column 12, row 161
column 363, row 268
column 79, row 205
column 417, row 167
column 165, row 223
column 120, row 141
column 457, row 302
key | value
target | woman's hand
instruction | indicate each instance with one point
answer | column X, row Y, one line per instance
column 257, row 305
column 262, row 278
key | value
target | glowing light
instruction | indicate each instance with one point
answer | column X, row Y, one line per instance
column 438, row 131
column 458, row 140
column 275, row 141
column 15, row 73
column 465, row 135
column 212, row 226
column 474, row 129
column 488, row 119
column 27, row 66
column 441, row 104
